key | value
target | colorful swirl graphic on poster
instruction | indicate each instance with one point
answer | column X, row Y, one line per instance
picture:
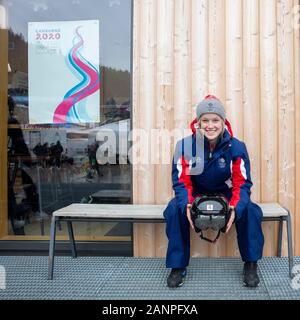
column 72, row 108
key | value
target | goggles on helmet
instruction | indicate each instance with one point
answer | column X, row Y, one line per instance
column 210, row 211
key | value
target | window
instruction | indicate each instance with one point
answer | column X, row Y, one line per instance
column 53, row 164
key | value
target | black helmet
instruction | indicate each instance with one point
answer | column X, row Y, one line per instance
column 210, row 211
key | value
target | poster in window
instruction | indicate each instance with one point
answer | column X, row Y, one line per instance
column 64, row 77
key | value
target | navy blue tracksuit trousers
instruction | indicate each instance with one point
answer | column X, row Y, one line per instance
column 249, row 235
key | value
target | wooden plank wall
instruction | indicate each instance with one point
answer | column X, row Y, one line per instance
column 247, row 53
column 297, row 133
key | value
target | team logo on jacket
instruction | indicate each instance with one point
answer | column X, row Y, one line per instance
column 222, row 163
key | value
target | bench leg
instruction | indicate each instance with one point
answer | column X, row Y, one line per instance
column 290, row 243
column 42, row 225
column 279, row 244
column 51, row 248
column 72, row 241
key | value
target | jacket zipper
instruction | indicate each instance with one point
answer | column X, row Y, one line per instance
column 222, row 151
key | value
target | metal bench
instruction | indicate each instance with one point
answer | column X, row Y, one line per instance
column 146, row 213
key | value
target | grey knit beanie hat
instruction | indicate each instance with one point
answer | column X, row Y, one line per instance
column 210, row 105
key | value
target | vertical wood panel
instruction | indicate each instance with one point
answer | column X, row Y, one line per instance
column 234, row 65
column 286, row 106
column 217, row 49
column 144, row 119
column 182, row 71
column 135, row 112
column 234, row 86
column 199, row 52
column 217, row 72
column 3, row 131
column 164, row 113
column 199, row 61
column 296, row 222
column 269, row 119
column 251, row 94
column 164, row 105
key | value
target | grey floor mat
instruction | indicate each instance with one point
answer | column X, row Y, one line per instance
column 127, row 278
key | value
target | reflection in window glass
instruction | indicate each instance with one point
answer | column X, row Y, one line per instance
column 52, row 165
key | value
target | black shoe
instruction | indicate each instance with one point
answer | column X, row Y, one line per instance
column 251, row 278
column 175, row 278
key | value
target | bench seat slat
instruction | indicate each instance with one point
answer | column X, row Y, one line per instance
column 273, row 210
column 135, row 211
column 140, row 211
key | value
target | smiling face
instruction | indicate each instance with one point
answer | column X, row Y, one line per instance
column 213, row 125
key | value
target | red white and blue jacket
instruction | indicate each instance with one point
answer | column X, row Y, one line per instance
column 226, row 170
